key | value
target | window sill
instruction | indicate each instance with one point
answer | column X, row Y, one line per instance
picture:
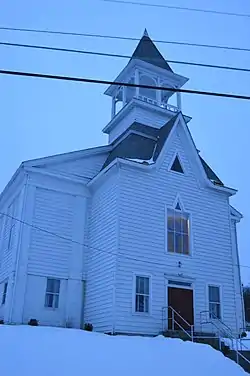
column 51, row 309
column 144, row 314
column 179, row 254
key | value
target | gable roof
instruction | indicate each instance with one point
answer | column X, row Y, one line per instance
column 147, row 147
column 67, row 157
column 147, row 51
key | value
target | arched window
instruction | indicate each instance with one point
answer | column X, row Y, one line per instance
column 149, row 93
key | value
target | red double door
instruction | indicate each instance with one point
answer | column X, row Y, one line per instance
column 181, row 300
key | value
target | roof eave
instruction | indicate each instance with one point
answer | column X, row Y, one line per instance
column 236, row 215
column 68, row 156
column 136, row 63
column 230, row 191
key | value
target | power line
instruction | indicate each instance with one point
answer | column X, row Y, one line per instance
column 90, row 247
column 106, row 82
column 106, row 54
column 178, row 8
column 89, row 35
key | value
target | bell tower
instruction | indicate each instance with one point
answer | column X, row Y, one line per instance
column 147, row 106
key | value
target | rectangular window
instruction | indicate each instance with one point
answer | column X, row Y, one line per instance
column 52, row 293
column 4, row 292
column 178, row 232
column 142, row 294
column 214, row 302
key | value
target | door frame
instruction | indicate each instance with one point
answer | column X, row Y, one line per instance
column 187, row 280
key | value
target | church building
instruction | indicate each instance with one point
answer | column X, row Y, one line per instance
column 135, row 237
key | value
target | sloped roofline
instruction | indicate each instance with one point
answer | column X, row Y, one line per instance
column 66, row 157
column 180, row 117
column 176, row 119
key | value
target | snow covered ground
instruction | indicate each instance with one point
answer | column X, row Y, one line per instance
column 243, row 344
column 45, row 351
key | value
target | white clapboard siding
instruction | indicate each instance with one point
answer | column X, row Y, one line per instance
column 144, row 197
column 102, row 240
column 8, row 241
column 50, row 254
column 86, row 167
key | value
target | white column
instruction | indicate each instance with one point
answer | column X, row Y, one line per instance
column 178, row 97
column 124, row 92
column 137, row 81
column 113, row 107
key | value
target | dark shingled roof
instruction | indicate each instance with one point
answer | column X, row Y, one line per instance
column 210, row 173
column 147, row 51
column 148, row 145
column 134, row 146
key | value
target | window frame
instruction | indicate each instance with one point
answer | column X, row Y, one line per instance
column 190, row 240
column 134, row 294
column 219, row 286
column 4, row 294
column 54, row 294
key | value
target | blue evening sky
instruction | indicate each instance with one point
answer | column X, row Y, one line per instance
column 43, row 117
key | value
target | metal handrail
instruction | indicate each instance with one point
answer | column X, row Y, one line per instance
column 186, row 322
column 216, row 318
column 229, row 334
column 191, row 334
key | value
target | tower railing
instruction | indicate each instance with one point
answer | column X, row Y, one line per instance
column 164, row 105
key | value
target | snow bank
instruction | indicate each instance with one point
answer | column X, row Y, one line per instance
column 44, row 351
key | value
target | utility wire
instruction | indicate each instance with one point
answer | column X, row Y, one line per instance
column 106, row 82
column 106, row 54
column 90, row 247
column 127, row 2
column 89, row 35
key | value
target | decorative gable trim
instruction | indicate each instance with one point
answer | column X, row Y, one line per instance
column 180, row 120
column 178, row 203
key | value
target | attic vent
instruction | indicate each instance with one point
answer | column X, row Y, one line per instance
column 176, row 166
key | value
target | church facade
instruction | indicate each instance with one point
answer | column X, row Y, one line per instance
column 136, row 236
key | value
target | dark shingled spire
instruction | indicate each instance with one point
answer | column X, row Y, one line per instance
column 147, row 51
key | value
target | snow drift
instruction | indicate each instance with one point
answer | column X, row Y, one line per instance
column 45, row 351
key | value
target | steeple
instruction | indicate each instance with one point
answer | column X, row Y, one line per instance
column 148, row 67
column 147, row 51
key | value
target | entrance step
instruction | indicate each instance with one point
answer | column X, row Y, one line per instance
column 199, row 337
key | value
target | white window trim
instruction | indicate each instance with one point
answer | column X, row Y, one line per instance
column 181, row 163
column 52, row 293
column 145, row 275
column 191, row 248
column 221, row 296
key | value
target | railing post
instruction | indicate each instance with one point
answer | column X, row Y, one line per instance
column 192, row 333
column 237, row 351
column 172, row 319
